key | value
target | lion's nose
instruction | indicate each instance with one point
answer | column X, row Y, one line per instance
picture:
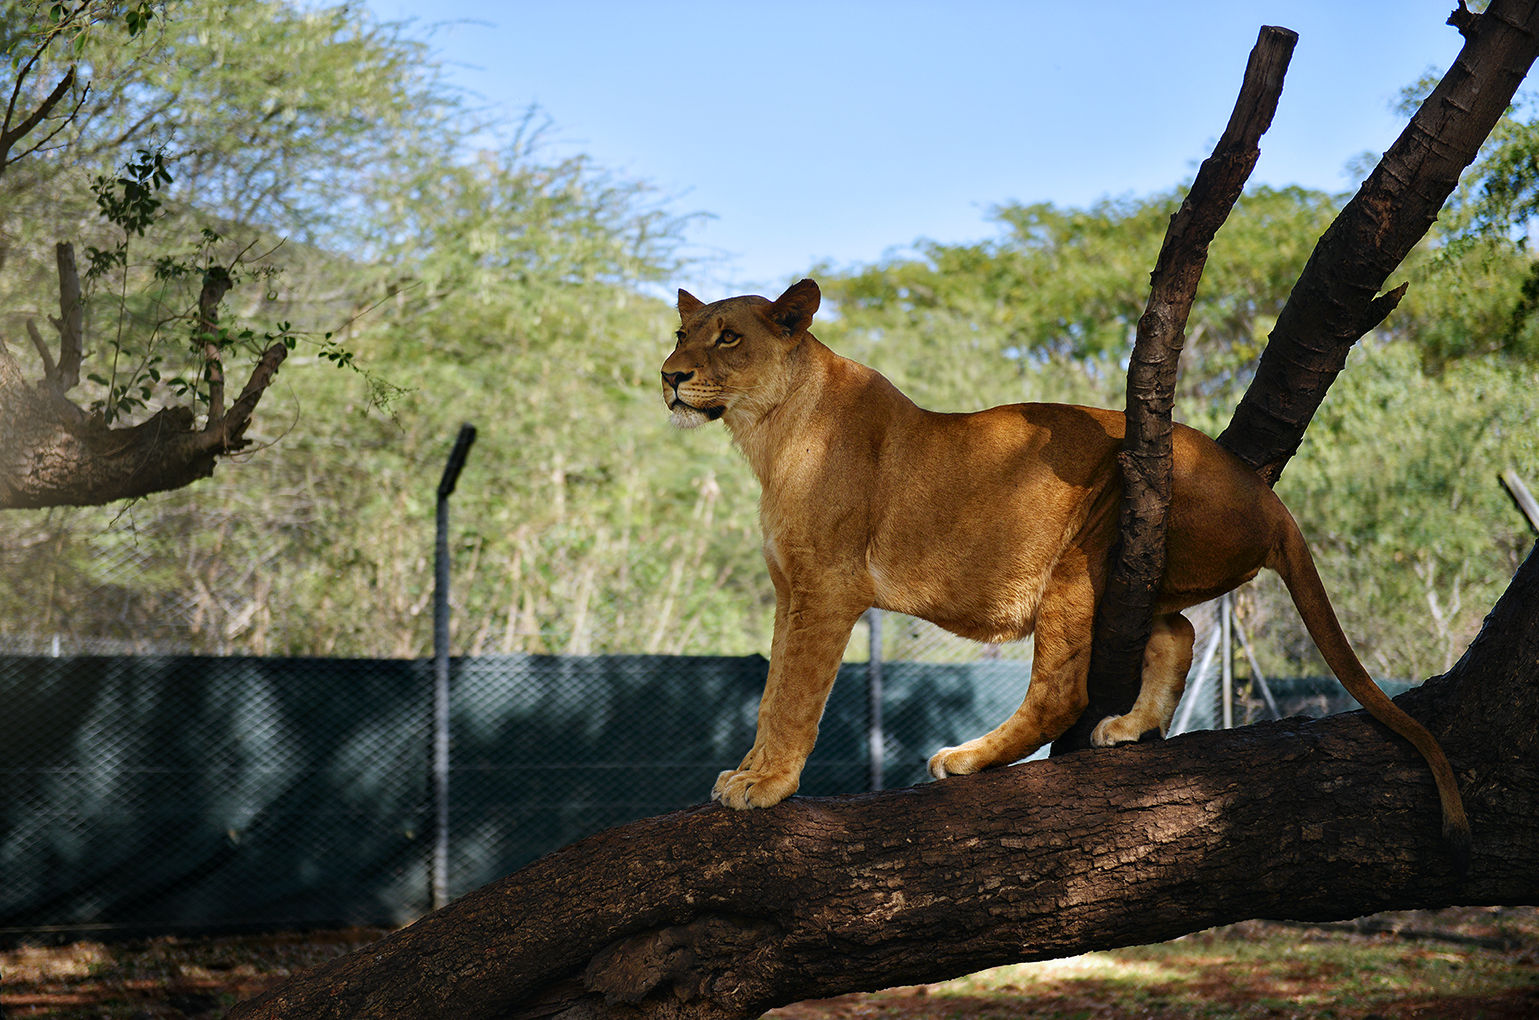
column 673, row 379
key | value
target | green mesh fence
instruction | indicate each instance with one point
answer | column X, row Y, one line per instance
column 165, row 794
column 186, row 793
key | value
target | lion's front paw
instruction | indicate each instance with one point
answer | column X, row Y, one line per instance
column 1121, row 729
column 958, row 761
column 746, row 788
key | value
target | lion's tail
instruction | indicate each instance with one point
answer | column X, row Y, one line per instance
column 1297, row 568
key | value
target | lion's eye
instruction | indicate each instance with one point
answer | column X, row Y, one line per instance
column 679, row 336
column 728, row 338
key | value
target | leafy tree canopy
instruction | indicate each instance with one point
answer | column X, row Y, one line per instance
column 496, row 284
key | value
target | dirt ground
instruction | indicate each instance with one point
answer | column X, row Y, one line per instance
column 1466, row 963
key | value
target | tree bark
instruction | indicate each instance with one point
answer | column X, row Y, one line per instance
column 1334, row 302
column 716, row 913
column 1138, row 560
column 53, row 453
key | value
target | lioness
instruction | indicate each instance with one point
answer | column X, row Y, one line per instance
column 994, row 525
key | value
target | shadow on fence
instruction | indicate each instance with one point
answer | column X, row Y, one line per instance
column 155, row 794
column 164, row 794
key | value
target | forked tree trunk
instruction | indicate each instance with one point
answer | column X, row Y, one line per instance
column 1137, row 566
column 54, row 453
column 1336, row 300
column 717, row 913
column 1335, row 303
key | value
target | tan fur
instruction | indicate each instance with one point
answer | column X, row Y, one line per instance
column 994, row 525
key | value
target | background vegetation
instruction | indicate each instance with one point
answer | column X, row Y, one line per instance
column 457, row 271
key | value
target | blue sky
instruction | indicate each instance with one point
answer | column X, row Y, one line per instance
column 839, row 131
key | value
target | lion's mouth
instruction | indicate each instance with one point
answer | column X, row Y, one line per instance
column 712, row 413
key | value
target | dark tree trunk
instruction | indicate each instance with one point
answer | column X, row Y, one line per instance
column 1336, row 300
column 718, row 913
column 1138, row 560
column 1334, row 304
column 53, row 453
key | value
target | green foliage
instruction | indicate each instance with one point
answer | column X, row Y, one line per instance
column 158, row 227
column 130, row 202
column 1396, row 488
column 509, row 288
column 500, row 288
column 1475, row 289
column 163, row 296
column 1049, row 309
column 1473, row 297
column 133, row 201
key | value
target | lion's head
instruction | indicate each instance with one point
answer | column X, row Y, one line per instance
column 734, row 357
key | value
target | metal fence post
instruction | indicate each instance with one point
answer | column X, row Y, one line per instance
column 440, row 867
column 1227, row 661
column 874, row 738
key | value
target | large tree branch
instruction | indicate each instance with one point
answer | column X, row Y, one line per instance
column 1138, row 559
column 1336, row 299
column 9, row 134
column 715, row 913
column 55, row 454
column 71, row 320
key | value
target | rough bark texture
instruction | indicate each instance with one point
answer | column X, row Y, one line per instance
column 53, row 453
column 716, row 913
column 1138, row 560
column 1334, row 303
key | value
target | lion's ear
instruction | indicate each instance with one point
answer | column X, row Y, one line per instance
column 794, row 309
column 688, row 304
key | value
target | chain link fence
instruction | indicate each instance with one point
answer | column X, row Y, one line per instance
column 146, row 793
column 173, row 793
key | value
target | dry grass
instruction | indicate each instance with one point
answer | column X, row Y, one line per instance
column 159, row 978
column 1464, row 963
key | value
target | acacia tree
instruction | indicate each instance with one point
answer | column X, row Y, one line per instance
column 455, row 276
column 55, row 452
column 252, row 107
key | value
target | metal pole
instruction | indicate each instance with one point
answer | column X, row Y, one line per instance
column 1228, row 666
column 1197, row 689
column 875, row 744
column 440, row 867
column 1255, row 668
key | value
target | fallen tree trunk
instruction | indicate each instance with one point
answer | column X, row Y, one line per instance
column 715, row 913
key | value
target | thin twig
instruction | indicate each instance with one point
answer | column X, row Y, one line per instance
column 49, row 372
column 10, row 137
